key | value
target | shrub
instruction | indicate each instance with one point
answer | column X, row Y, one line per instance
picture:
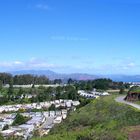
column 20, row 119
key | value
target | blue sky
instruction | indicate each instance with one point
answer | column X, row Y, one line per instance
column 70, row 36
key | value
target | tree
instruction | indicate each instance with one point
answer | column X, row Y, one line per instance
column 57, row 81
column 10, row 89
column 33, row 86
column 50, row 93
column 5, row 78
column 89, row 86
column 1, row 85
column 121, row 90
column 70, row 93
column 59, row 90
column 103, row 84
column 3, row 100
column 52, row 107
column 28, row 79
column 20, row 92
column 70, row 81
column 6, row 127
column 20, row 119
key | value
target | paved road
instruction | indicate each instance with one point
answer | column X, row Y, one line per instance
column 120, row 99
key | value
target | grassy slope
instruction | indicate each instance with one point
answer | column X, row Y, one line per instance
column 103, row 119
column 135, row 89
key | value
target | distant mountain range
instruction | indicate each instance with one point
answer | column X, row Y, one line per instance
column 53, row 75
column 78, row 76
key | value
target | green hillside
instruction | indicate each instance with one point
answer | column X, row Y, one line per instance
column 102, row 119
column 135, row 89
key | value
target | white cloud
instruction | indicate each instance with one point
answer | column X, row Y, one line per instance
column 131, row 64
column 128, row 66
column 41, row 64
column 42, row 6
column 69, row 38
column 31, row 64
column 17, row 62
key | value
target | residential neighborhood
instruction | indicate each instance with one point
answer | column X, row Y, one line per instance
column 42, row 121
column 92, row 94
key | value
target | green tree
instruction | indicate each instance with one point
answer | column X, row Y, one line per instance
column 20, row 92
column 89, row 86
column 33, row 86
column 5, row 78
column 52, row 107
column 121, row 90
column 1, row 85
column 70, row 81
column 57, row 81
column 6, row 127
column 20, row 119
column 70, row 93
column 59, row 90
column 10, row 89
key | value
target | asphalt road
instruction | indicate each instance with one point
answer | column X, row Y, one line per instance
column 120, row 99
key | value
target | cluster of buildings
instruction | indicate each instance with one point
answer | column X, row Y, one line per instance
column 133, row 84
column 40, row 105
column 29, row 86
column 92, row 94
column 41, row 122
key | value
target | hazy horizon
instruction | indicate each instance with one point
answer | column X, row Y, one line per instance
column 31, row 71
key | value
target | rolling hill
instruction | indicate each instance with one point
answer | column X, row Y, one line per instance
column 78, row 76
column 102, row 119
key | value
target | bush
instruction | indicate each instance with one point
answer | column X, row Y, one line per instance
column 52, row 107
column 20, row 119
column 6, row 127
column 83, row 138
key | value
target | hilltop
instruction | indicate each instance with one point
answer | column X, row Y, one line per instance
column 133, row 94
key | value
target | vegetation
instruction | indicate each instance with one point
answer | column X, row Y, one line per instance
column 14, row 95
column 101, row 119
column 52, row 108
column 24, row 79
column 20, row 95
column 134, row 89
column 134, row 94
column 101, row 84
column 1, row 137
column 5, row 127
column 122, row 91
column 20, row 120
